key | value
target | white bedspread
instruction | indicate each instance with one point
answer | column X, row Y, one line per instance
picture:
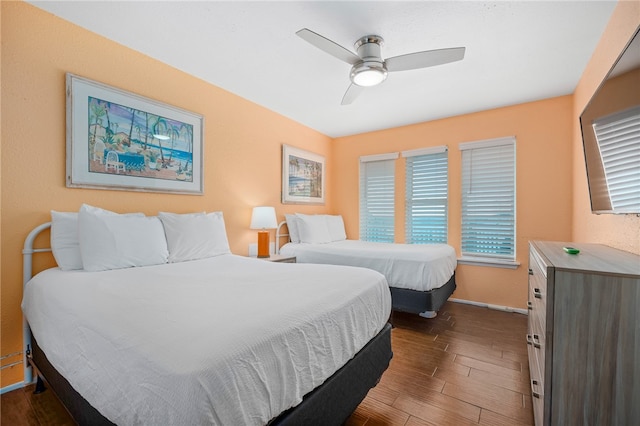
column 227, row 340
column 419, row 267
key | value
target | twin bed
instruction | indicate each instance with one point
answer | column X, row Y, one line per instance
column 188, row 333
column 421, row 277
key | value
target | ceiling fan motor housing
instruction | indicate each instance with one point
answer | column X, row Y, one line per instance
column 371, row 70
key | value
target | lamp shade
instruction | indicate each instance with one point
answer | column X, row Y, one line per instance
column 264, row 218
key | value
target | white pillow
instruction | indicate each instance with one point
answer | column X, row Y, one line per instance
column 112, row 241
column 194, row 236
column 292, row 226
column 313, row 229
column 336, row 227
column 64, row 240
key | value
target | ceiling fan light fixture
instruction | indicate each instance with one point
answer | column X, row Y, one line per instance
column 368, row 74
column 367, row 66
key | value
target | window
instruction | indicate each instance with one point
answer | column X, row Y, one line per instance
column 488, row 200
column 426, row 195
column 377, row 197
column 618, row 137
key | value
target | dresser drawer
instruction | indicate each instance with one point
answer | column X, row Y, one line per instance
column 537, row 280
column 537, row 296
column 537, row 305
column 536, row 369
column 538, row 409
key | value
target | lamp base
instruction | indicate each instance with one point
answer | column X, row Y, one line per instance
column 263, row 243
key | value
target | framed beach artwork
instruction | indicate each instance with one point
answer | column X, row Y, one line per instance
column 303, row 176
column 123, row 141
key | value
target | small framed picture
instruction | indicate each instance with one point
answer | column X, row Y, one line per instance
column 303, row 176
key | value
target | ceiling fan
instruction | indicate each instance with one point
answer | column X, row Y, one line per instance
column 368, row 67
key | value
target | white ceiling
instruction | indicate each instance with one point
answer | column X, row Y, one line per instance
column 516, row 51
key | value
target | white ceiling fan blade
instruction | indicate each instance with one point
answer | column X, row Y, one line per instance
column 351, row 94
column 328, row 46
column 428, row 58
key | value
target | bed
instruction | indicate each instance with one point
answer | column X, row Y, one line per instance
column 222, row 339
column 421, row 277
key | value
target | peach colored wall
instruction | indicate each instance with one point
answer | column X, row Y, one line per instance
column 242, row 143
column 543, row 173
column 620, row 231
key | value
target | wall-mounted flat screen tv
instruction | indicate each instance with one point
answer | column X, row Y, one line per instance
column 611, row 136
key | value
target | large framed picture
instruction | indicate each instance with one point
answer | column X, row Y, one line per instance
column 303, row 176
column 123, row 141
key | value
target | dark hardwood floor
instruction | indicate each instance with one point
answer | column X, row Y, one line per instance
column 466, row 366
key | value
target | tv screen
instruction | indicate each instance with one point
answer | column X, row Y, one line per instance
column 610, row 127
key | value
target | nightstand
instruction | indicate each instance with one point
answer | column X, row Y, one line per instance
column 278, row 258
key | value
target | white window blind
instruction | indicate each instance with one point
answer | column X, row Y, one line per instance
column 488, row 199
column 618, row 137
column 377, row 198
column 426, row 196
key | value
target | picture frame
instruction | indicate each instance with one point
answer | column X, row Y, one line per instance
column 303, row 176
column 119, row 140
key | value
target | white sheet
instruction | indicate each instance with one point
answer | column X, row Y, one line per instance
column 225, row 340
column 419, row 267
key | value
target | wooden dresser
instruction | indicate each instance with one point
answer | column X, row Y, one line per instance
column 584, row 334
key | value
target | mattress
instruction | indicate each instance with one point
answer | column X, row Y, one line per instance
column 420, row 267
column 224, row 340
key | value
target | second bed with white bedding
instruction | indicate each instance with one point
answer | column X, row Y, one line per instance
column 161, row 344
column 406, row 266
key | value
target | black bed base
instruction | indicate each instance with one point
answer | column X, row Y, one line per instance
column 329, row 404
column 81, row 411
column 414, row 301
column 334, row 401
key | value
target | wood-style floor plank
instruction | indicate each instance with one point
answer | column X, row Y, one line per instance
column 467, row 366
column 513, row 382
column 431, row 413
column 15, row 410
column 22, row 407
column 481, row 373
column 422, row 405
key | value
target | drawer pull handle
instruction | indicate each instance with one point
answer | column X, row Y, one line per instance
column 535, row 395
column 536, row 341
column 529, row 342
column 535, row 382
column 529, row 305
column 537, row 294
column 530, row 271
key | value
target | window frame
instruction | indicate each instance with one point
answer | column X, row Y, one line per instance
column 495, row 182
column 368, row 231
column 433, row 198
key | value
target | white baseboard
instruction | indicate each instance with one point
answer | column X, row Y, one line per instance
column 12, row 387
column 490, row 306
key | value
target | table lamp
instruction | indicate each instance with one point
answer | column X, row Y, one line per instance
column 263, row 218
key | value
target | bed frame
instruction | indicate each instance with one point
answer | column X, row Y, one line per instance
column 402, row 299
column 329, row 404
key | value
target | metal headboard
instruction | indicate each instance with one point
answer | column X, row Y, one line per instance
column 27, row 273
column 279, row 235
